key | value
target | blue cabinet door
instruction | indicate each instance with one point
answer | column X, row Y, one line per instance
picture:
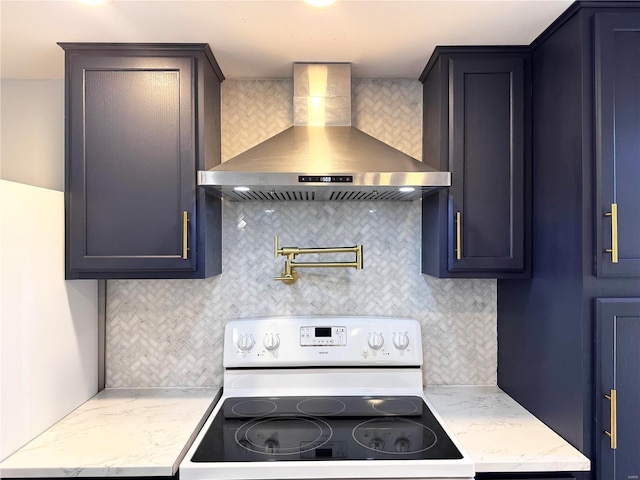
column 486, row 155
column 132, row 163
column 617, row 110
column 617, row 396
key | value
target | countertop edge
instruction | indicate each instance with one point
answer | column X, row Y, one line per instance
column 88, row 472
column 196, row 431
column 531, row 466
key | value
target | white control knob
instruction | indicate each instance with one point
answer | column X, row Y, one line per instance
column 271, row 341
column 401, row 341
column 245, row 342
column 375, row 341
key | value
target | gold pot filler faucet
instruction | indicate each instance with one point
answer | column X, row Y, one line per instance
column 289, row 274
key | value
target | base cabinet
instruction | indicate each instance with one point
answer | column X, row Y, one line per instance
column 524, row 476
column 535, row 476
column 617, row 388
column 476, row 110
column 140, row 121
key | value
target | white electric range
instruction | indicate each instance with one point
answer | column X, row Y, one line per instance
column 324, row 397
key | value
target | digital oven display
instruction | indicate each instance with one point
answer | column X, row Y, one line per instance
column 333, row 336
column 323, row 332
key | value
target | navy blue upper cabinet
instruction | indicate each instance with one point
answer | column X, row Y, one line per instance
column 476, row 108
column 140, row 121
column 617, row 69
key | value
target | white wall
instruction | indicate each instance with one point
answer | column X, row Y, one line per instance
column 48, row 326
column 33, row 132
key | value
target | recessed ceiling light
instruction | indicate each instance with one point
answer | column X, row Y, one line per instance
column 241, row 189
column 320, row 3
column 406, row 189
column 94, row 2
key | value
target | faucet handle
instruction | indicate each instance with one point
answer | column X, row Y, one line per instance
column 288, row 279
column 275, row 246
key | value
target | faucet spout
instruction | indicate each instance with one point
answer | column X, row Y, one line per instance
column 290, row 275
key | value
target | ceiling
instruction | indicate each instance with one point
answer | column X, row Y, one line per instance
column 262, row 39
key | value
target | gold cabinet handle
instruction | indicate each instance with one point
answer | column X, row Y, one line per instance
column 614, row 232
column 185, row 248
column 613, row 434
column 458, row 235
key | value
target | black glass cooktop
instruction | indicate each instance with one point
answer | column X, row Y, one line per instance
column 259, row 429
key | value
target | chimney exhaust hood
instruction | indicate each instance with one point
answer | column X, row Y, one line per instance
column 322, row 157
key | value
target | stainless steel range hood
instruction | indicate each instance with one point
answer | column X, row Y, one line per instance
column 322, row 157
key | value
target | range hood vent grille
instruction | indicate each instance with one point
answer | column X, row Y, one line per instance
column 357, row 195
column 257, row 195
column 323, row 195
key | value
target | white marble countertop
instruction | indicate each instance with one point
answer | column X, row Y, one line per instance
column 500, row 434
column 119, row 432
column 146, row 432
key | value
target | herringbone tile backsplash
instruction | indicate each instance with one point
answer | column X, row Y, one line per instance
column 169, row 332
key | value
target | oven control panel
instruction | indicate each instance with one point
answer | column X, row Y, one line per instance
column 323, row 336
column 322, row 341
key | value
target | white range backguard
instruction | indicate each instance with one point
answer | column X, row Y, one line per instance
column 322, row 342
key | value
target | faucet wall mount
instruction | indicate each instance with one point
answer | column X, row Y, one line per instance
column 290, row 275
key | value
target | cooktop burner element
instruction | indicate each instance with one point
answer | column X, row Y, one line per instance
column 254, row 408
column 321, row 406
column 395, row 436
column 281, row 435
column 395, row 406
column 324, row 398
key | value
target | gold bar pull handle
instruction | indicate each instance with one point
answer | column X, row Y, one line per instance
column 458, row 235
column 185, row 228
column 613, row 434
column 614, row 232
